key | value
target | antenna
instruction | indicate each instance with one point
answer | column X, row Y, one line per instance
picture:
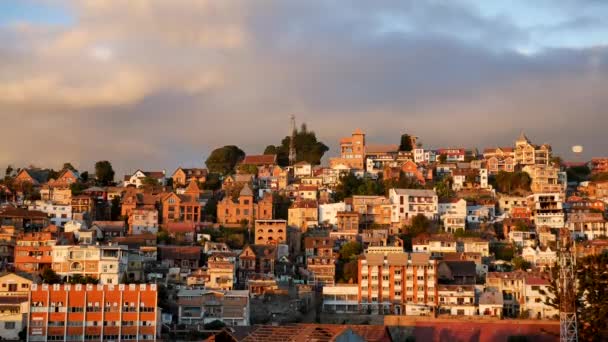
column 292, row 146
column 567, row 296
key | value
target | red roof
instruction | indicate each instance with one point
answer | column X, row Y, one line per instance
column 262, row 159
column 180, row 227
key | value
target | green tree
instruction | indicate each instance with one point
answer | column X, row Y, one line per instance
column 68, row 166
column 510, row 182
column 223, row 160
column 308, row 148
column 215, row 325
column 213, row 182
column 420, row 224
column 50, row 277
column 442, row 158
column 280, row 206
column 444, row 188
column 104, row 173
column 248, row 169
column 77, row 188
column 520, row 263
column 350, row 272
column 350, row 250
column 406, row 143
column 84, row 177
column 115, row 208
column 210, row 210
column 592, row 276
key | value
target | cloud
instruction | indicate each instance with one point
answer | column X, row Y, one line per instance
column 157, row 84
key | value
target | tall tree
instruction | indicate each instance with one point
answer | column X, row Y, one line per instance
column 308, row 148
column 104, row 172
column 592, row 276
column 223, row 160
column 68, row 166
column 406, row 143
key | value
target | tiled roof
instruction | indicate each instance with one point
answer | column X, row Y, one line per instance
column 415, row 192
column 262, row 159
column 180, row 227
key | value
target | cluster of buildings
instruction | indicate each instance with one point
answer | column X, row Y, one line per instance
column 278, row 231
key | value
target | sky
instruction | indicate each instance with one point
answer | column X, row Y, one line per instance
column 159, row 84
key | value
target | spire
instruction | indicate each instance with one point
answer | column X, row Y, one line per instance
column 523, row 137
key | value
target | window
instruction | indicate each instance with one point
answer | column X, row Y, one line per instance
column 9, row 325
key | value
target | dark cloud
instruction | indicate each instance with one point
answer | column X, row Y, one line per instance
column 161, row 85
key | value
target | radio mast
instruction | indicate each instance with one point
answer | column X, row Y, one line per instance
column 567, row 290
column 292, row 143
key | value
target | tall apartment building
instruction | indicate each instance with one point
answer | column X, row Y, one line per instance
column 545, row 178
column 398, row 283
column 547, row 209
column 93, row 312
column 407, row 203
column 320, row 260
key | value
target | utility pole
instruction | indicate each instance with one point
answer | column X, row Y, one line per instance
column 567, row 289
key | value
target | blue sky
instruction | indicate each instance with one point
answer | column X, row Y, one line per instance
column 36, row 12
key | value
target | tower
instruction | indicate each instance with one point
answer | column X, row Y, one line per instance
column 567, row 290
column 292, row 143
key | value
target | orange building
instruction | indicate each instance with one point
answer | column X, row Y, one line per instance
column 244, row 208
column 348, row 221
column 352, row 151
column 182, row 207
column 93, row 312
column 270, row 232
column 34, row 252
column 183, row 176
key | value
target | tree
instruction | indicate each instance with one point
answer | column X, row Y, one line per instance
column 248, row 169
column 443, row 188
column 350, row 272
column 115, row 209
column 77, row 188
column 9, row 171
column 104, row 173
column 520, row 263
column 84, row 177
column 223, row 160
column 68, row 166
column 350, row 250
column 308, row 148
column 149, row 181
column 592, row 306
column 215, row 325
column 510, row 182
column 406, row 143
column 50, row 277
column 210, row 210
column 442, row 158
column 420, row 224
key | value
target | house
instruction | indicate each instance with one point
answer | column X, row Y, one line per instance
column 109, row 229
column 136, row 199
column 372, row 209
column 256, row 259
column 143, row 221
column 528, row 154
column 475, row 245
column 303, row 214
column 185, row 207
column 507, row 203
column 59, row 214
column 183, row 176
column 457, row 300
column 499, row 152
column 34, row 252
column 320, row 260
column 56, row 193
column 211, row 247
column 33, row 220
column 542, row 258
column 302, row 169
column 83, row 205
column 407, row 203
column 435, row 243
column 348, row 221
column 185, row 257
column 136, row 179
column 108, row 264
column 128, row 311
column 261, row 161
column 457, row 272
column 491, row 303
column 14, row 308
column 453, row 214
column 199, row 307
column 546, row 178
column 341, row 298
column 244, row 208
column 182, row 232
column 34, row 176
column 452, row 154
column 511, row 286
column 307, row 192
column 537, row 293
column 270, row 232
column 328, row 212
column 352, row 152
column 387, row 285
column 221, row 271
column 587, row 225
column 497, row 164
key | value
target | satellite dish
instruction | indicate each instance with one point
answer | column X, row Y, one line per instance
column 577, row 149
